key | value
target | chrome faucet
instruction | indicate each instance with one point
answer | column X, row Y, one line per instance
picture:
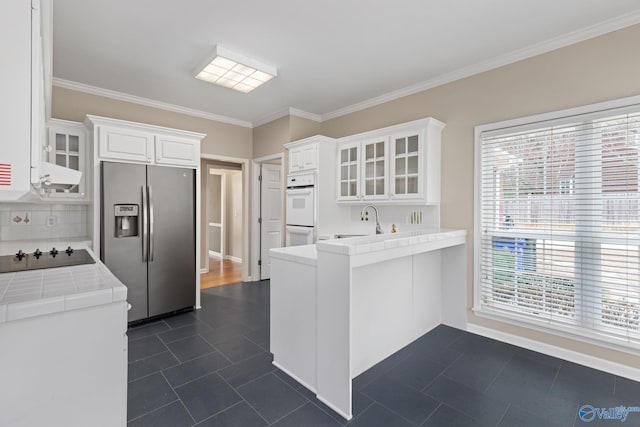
column 364, row 217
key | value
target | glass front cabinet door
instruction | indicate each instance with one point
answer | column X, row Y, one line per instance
column 374, row 169
column 348, row 174
column 66, row 147
column 407, row 159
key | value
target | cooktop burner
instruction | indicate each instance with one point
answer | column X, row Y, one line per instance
column 39, row 260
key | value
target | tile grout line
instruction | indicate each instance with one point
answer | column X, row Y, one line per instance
column 179, row 398
column 396, row 413
column 497, row 375
column 154, row 410
column 504, row 414
column 433, row 413
column 243, row 399
column 197, row 378
column 222, row 411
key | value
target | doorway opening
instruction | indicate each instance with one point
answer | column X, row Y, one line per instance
column 268, row 207
column 223, row 197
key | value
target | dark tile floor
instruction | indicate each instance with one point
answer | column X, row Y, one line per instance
column 212, row 367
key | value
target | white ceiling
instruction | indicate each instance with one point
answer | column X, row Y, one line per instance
column 333, row 56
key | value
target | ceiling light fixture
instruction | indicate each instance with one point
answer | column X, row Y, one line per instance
column 235, row 71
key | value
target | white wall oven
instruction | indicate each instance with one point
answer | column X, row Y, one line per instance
column 300, row 211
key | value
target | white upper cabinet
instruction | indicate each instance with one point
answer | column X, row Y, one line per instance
column 349, row 171
column 394, row 165
column 176, row 151
column 374, row 169
column 303, row 158
column 21, row 99
column 120, row 140
column 125, row 144
column 407, row 165
column 66, row 146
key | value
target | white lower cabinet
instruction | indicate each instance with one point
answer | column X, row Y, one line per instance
column 67, row 368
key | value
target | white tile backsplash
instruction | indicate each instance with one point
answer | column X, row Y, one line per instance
column 70, row 221
column 390, row 215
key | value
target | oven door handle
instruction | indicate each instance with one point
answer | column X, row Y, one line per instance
column 296, row 229
column 298, row 192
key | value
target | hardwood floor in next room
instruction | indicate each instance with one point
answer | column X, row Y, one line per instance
column 221, row 272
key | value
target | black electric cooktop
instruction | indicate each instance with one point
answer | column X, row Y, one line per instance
column 39, row 260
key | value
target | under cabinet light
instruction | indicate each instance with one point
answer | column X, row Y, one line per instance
column 235, row 71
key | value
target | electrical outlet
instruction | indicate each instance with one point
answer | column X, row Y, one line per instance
column 52, row 220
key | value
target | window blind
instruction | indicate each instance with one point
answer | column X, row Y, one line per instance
column 559, row 224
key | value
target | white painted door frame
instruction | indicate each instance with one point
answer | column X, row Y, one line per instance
column 246, row 191
column 255, row 208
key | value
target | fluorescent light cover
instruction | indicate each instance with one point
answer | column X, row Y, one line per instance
column 235, row 71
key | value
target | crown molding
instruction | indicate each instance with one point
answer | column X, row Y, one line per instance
column 583, row 34
column 290, row 111
column 107, row 93
column 305, row 115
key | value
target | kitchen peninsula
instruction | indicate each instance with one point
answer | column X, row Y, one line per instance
column 341, row 306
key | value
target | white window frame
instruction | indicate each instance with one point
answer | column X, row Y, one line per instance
column 588, row 336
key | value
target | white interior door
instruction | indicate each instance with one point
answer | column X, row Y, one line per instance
column 271, row 214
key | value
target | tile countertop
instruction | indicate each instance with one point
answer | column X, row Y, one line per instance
column 34, row 293
column 304, row 254
column 308, row 254
column 378, row 242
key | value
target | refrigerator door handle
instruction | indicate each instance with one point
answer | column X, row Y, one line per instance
column 150, row 190
column 145, row 255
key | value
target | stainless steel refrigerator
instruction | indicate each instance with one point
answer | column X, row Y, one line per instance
column 148, row 235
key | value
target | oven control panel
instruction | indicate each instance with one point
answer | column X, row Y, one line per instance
column 301, row 180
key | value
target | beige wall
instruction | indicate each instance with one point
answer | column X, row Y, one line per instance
column 596, row 70
column 268, row 138
column 222, row 139
column 300, row 128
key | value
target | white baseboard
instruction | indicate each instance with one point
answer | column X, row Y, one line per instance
column 286, row 371
column 332, row 406
column 204, row 270
column 213, row 254
column 233, row 258
column 559, row 352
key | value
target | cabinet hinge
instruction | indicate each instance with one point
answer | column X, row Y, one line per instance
column 259, row 220
column 260, row 178
column 259, row 262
